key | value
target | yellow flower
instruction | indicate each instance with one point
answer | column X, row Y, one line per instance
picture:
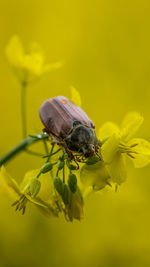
column 118, row 145
column 95, row 176
column 28, row 66
column 45, row 200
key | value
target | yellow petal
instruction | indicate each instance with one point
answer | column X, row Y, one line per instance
column 130, row 125
column 117, row 169
column 95, row 175
column 52, row 66
column 110, row 147
column 9, row 181
column 75, row 97
column 15, row 52
column 142, row 155
column 107, row 129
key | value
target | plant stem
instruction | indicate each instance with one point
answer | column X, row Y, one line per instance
column 51, row 154
column 21, row 147
column 23, row 109
column 64, row 174
column 34, row 153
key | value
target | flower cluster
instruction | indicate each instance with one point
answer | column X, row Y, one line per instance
column 62, row 182
column 117, row 145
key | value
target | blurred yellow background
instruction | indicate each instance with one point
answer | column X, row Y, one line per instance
column 106, row 49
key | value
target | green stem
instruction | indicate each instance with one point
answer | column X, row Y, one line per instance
column 45, row 146
column 57, row 172
column 64, row 174
column 21, row 147
column 51, row 154
column 34, row 153
column 38, row 175
column 23, row 109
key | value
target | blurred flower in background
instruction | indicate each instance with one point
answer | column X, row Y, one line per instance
column 28, row 65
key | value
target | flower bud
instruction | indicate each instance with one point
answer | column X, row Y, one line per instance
column 66, row 195
column 58, row 184
column 60, row 165
column 46, row 167
column 92, row 160
column 61, row 157
column 72, row 182
column 75, row 210
column 71, row 166
column 34, row 187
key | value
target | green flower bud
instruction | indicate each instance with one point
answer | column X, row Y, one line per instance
column 92, row 160
column 71, row 166
column 61, row 157
column 46, row 167
column 34, row 187
column 72, row 182
column 58, row 184
column 60, row 165
column 66, row 195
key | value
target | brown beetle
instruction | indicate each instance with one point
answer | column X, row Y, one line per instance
column 69, row 126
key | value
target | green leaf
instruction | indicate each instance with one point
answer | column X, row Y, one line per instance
column 142, row 152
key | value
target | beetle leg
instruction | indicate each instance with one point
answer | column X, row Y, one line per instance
column 76, row 163
column 71, row 156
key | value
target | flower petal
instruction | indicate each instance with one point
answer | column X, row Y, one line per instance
column 75, row 97
column 15, row 52
column 9, row 181
column 117, row 169
column 52, row 66
column 142, row 152
column 130, row 125
column 110, row 147
column 107, row 129
column 95, row 175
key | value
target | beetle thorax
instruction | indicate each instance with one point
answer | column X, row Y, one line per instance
column 82, row 139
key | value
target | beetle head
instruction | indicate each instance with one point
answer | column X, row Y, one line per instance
column 82, row 139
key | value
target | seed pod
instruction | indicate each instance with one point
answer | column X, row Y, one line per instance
column 66, row 195
column 46, row 167
column 58, row 184
column 71, row 166
column 72, row 182
column 60, row 165
column 34, row 187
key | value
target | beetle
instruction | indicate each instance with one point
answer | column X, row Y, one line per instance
column 69, row 126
